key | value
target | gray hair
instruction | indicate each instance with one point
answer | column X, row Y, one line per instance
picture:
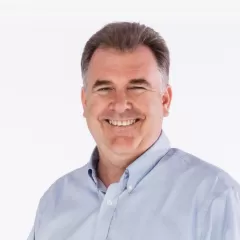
column 126, row 36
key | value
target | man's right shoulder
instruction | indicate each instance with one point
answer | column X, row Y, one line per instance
column 66, row 185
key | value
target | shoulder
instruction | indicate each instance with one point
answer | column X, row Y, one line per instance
column 212, row 191
column 210, row 181
column 66, row 190
column 67, row 185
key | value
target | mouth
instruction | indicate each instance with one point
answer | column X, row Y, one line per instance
column 122, row 123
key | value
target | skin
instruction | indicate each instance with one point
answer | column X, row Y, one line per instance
column 123, row 86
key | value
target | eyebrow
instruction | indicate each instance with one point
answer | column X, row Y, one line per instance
column 100, row 83
column 140, row 81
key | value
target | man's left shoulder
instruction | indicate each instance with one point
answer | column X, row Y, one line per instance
column 208, row 174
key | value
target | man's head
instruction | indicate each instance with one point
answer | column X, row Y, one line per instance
column 125, row 68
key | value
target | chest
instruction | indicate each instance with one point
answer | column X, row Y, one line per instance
column 116, row 215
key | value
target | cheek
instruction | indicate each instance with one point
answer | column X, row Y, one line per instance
column 151, row 105
column 94, row 108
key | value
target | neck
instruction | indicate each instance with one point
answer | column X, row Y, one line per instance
column 111, row 166
column 110, row 169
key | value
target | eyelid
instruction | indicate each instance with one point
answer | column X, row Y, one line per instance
column 103, row 87
column 143, row 87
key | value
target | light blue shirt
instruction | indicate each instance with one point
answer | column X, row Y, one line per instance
column 165, row 194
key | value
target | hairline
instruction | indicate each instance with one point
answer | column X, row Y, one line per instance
column 164, row 76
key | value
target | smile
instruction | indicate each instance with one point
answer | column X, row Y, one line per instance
column 122, row 123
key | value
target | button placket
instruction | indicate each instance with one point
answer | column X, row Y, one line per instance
column 106, row 212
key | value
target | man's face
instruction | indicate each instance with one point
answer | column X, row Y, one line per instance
column 122, row 102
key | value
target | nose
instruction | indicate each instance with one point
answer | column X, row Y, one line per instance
column 120, row 102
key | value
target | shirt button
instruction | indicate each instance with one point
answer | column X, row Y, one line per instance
column 109, row 203
column 130, row 188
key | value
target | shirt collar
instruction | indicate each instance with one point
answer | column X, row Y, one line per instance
column 92, row 165
column 137, row 170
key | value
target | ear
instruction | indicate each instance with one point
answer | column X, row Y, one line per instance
column 84, row 101
column 166, row 100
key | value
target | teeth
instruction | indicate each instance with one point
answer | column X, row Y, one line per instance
column 122, row 123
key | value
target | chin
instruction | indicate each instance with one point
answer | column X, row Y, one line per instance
column 124, row 145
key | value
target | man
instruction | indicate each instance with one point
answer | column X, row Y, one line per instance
column 135, row 185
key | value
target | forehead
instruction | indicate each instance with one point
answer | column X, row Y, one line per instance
column 110, row 64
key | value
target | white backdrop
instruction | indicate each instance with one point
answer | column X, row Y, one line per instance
column 42, row 132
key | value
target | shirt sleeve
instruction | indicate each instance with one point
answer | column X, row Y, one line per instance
column 31, row 235
column 222, row 219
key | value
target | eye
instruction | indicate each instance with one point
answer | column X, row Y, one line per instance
column 104, row 89
column 137, row 88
